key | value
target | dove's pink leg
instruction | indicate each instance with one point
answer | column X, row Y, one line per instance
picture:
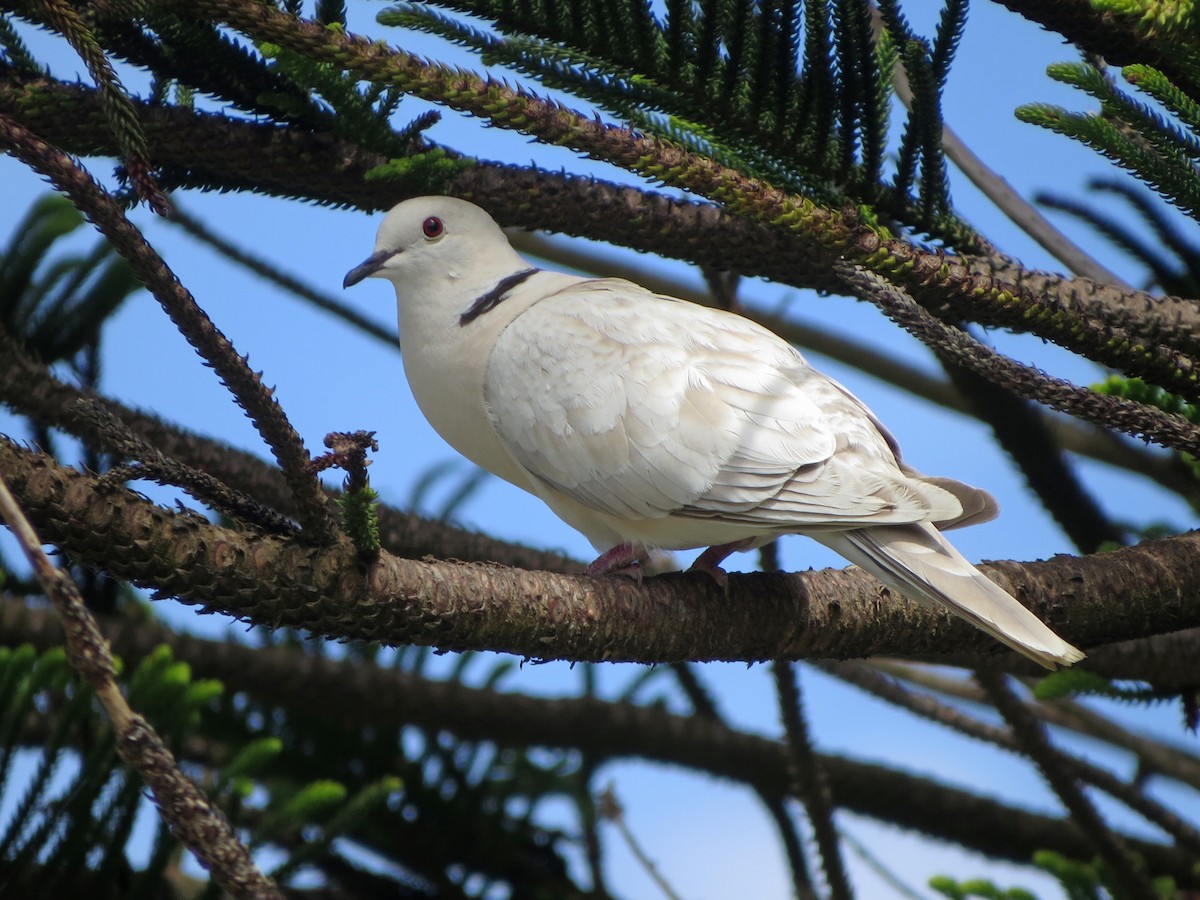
column 622, row 559
column 710, row 560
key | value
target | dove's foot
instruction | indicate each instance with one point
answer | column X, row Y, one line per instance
column 623, row 559
column 710, row 560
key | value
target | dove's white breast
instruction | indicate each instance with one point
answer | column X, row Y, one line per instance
column 445, row 363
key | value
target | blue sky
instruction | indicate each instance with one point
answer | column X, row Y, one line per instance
column 711, row 840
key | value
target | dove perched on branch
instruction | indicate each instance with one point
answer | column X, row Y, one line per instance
column 648, row 422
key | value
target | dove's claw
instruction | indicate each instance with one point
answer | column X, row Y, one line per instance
column 719, row 575
column 710, row 560
column 623, row 559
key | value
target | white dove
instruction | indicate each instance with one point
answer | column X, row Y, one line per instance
column 648, row 422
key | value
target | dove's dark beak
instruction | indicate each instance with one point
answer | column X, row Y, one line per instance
column 367, row 267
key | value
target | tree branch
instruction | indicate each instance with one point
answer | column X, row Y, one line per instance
column 838, row 232
column 1062, row 779
column 207, row 151
column 1154, row 755
column 1024, row 434
column 1132, row 795
column 810, row 777
column 1137, row 592
column 1134, row 418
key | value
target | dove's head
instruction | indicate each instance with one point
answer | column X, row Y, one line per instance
column 427, row 241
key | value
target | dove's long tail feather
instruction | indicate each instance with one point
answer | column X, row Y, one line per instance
column 922, row 565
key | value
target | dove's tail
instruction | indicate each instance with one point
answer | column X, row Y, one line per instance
column 922, row 565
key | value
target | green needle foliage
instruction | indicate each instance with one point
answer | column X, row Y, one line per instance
column 75, row 805
column 55, row 303
column 794, row 93
column 1092, row 880
column 1152, row 395
column 1137, row 389
column 1079, row 682
column 1161, row 150
column 1078, row 880
column 1154, row 17
column 328, row 99
column 977, row 887
column 15, row 52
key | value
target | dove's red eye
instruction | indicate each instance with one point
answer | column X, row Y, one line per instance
column 433, row 227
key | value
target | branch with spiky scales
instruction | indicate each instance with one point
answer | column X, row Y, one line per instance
column 208, row 151
column 1138, row 592
column 811, row 779
column 1140, row 419
column 1130, row 876
column 1027, row 437
column 118, row 108
column 192, row 816
column 1176, row 320
column 137, row 460
column 926, row 705
column 30, row 390
column 565, row 205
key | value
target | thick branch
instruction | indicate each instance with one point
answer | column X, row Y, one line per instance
column 1150, row 589
column 211, row 151
column 1176, row 319
column 839, row 232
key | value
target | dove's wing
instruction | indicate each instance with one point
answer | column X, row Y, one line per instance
column 641, row 406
